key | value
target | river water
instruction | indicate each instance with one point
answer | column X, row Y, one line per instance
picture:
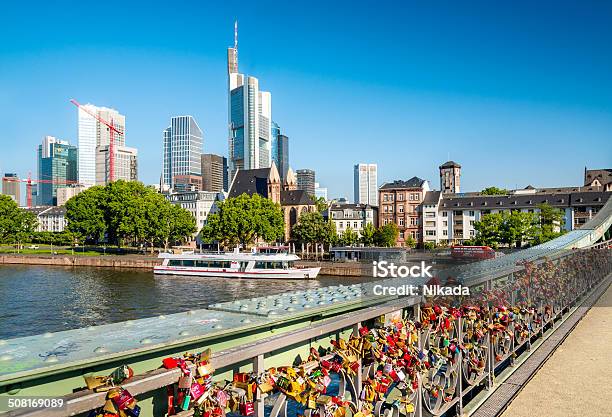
column 38, row 299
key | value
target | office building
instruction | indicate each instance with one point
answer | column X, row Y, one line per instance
column 450, row 177
column 214, row 173
column 250, row 118
column 320, row 192
column 125, row 165
column 66, row 193
column 11, row 186
column 198, row 203
column 49, row 218
column 92, row 135
column 57, row 168
column 306, row 180
column 365, row 178
column 280, row 151
column 182, row 155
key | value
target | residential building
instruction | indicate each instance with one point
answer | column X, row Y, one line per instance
column 66, row 193
column 455, row 216
column 250, row 118
column 93, row 134
column 598, row 178
column 125, row 164
column 11, row 186
column 267, row 183
column 355, row 216
column 365, row 182
column 198, row 203
column 57, row 168
column 400, row 203
column 306, row 180
column 320, row 192
column 214, row 173
column 280, row 151
column 50, row 219
column 450, row 177
column 182, row 155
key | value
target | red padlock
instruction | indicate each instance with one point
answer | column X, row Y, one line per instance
column 170, row 363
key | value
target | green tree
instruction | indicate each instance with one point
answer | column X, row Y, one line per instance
column 518, row 227
column 410, row 242
column 551, row 221
column 244, row 219
column 16, row 225
column 494, row 191
column 429, row 245
column 312, row 228
column 367, row 234
column 85, row 215
column 386, row 235
column 349, row 237
column 320, row 203
column 489, row 230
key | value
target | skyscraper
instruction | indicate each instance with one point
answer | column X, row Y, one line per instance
column 306, row 181
column 450, row 177
column 11, row 186
column 57, row 168
column 182, row 161
column 365, row 184
column 280, row 151
column 214, row 173
column 250, row 117
column 94, row 144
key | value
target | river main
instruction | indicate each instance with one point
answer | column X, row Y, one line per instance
column 39, row 299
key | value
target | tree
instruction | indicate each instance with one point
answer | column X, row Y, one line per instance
column 312, row 228
column 85, row 215
column 386, row 235
column 429, row 245
column 320, row 203
column 551, row 221
column 367, row 234
column 349, row 237
column 244, row 219
column 494, row 191
column 489, row 230
column 410, row 242
column 518, row 227
column 16, row 225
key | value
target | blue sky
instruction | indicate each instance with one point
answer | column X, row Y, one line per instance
column 518, row 93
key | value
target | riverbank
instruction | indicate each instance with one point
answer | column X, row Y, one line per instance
column 348, row 269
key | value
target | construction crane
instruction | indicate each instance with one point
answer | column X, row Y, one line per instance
column 112, row 130
column 29, row 182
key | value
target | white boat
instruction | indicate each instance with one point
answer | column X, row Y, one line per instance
column 266, row 263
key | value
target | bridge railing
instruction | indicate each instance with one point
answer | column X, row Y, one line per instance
column 543, row 291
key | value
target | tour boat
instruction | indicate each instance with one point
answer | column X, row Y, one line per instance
column 265, row 263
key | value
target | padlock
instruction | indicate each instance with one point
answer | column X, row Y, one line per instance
column 247, row 408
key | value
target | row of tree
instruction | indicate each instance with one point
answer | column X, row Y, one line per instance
column 517, row 228
column 127, row 213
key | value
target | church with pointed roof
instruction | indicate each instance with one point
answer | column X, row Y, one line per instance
column 267, row 183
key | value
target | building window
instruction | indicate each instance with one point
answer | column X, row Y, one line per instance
column 400, row 197
column 472, row 213
column 430, row 233
column 445, row 214
column 340, row 225
column 445, row 232
column 401, row 235
column 401, row 209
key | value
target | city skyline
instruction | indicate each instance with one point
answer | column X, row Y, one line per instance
column 497, row 112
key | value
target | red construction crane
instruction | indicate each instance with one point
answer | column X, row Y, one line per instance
column 112, row 130
column 29, row 181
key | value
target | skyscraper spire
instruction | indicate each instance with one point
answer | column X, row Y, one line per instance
column 236, row 40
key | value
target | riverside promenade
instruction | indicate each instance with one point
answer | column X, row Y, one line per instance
column 575, row 380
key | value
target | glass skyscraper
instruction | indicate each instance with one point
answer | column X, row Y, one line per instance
column 250, row 119
column 182, row 160
column 57, row 168
column 280, row 151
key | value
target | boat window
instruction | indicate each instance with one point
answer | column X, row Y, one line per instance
column 202, row 264
column 188, row 262
column 260, row 265
column 174, row 262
